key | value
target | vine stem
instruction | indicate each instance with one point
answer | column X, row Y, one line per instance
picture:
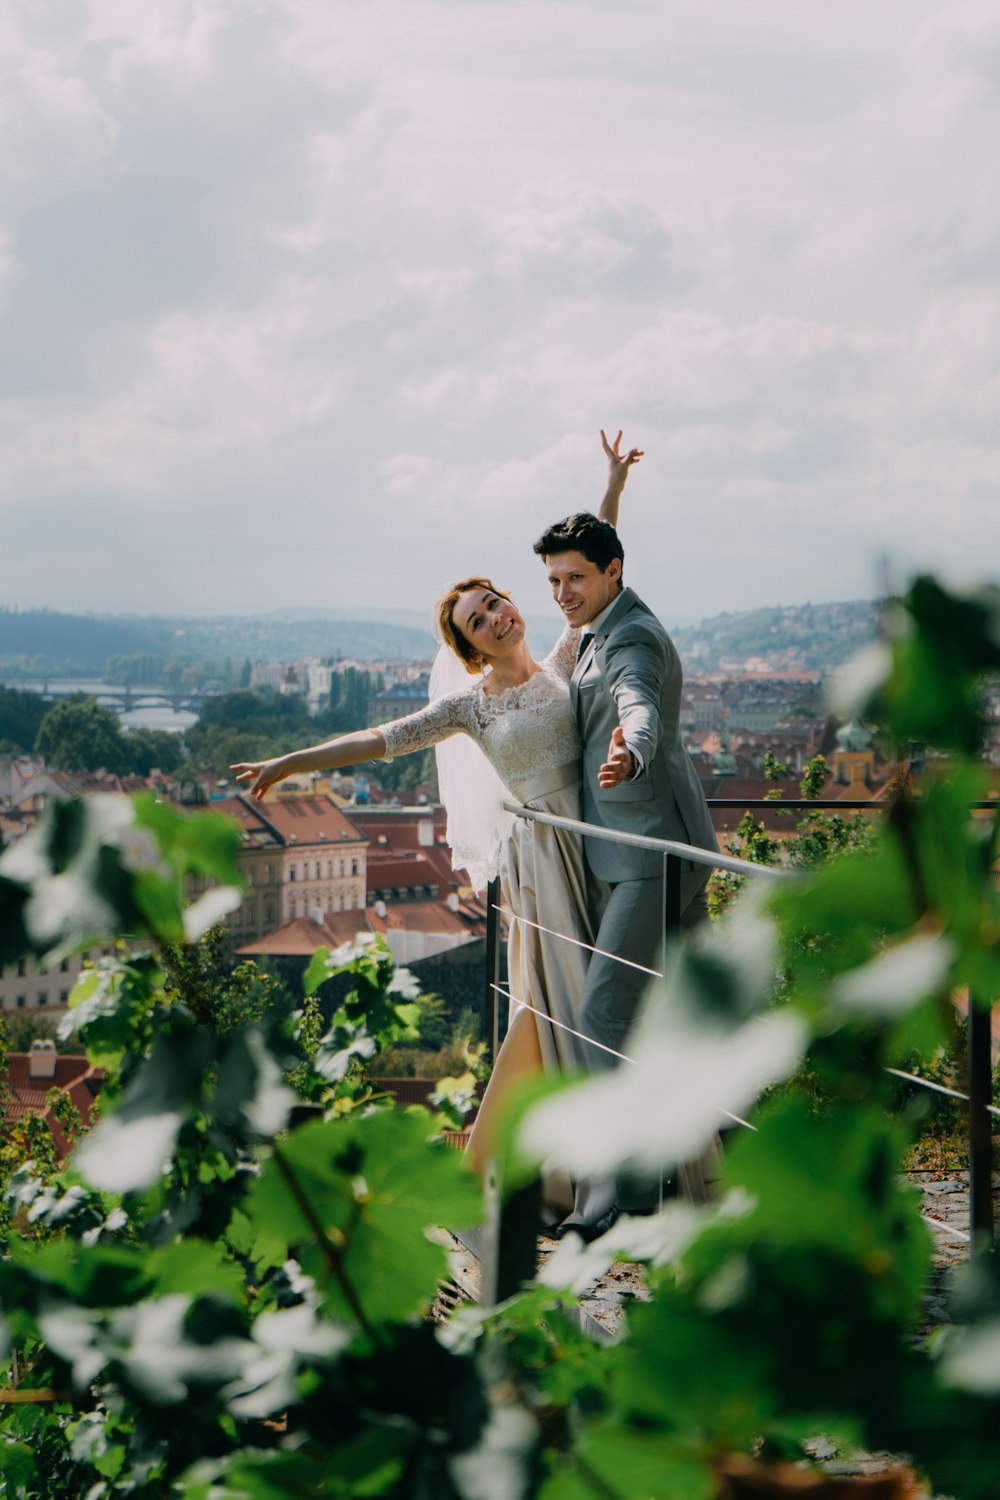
column 332, row 1254
column 594, row 1481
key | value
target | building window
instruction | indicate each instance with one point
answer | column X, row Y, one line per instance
column 291, row 872
column 354, row 867
column 21, row 1002
column 64, row 997
column 20, row 968
column 40, row 998
column 64, row 966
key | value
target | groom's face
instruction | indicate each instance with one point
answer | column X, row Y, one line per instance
column 580, row 588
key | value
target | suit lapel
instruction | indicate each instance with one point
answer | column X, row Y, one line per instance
column 621, row 607
column 597, row 640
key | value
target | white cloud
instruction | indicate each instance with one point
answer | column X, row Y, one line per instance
column 53, row 125
column 394, row 267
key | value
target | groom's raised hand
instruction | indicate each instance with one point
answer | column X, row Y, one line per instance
column 620, row 765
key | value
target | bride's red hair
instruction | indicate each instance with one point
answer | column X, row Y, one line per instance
column 444, row 611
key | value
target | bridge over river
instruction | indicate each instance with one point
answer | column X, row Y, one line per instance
column 137, row 706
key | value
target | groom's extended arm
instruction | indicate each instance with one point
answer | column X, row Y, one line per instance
column 637, row 669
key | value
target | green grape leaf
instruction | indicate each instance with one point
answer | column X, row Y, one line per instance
column 832, row 1179
column 373, row 1185
column 616, row 1462
column 101, row 1275
column 251, row 1096
column 195, row 1267
column 666, row 1107
column 127, row 1149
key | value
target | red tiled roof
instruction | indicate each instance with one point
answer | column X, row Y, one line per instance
column 256, row 830
column 301, row 936
column 311, row 820
column 390, row 837
column 73, row 1076
column 403, row 873
column 428, row 917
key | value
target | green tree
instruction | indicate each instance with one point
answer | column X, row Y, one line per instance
column 153, row 749
column 21, row 715
column 77, row 734
column 22, row 1027
column 219, row 994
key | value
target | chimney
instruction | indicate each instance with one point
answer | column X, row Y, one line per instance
column 452, row 901
column 425, row 833
column 42, row 1059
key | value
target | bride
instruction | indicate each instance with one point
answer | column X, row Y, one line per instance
column 516, row 714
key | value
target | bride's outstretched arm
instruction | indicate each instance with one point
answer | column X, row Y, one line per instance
column 618, row 467
column 447, row 716
column 345, row 750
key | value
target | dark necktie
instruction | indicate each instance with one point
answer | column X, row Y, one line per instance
column 586, row 637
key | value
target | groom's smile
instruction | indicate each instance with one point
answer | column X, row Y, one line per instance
column 580, row 588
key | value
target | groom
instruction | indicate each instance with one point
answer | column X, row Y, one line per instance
column 637, row 775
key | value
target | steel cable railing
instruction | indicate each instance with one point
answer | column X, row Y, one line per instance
column 593, row 1042
column 981, row 1206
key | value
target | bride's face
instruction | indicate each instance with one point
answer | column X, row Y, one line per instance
column 491, row 624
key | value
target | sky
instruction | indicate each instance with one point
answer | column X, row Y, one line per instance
column 322, row 303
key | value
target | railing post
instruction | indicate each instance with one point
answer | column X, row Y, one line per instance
column 671, row 896
column 980, row 1121
column 510, row 1246
column 491, row 1015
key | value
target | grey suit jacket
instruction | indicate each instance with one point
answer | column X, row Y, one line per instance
column 630, row 674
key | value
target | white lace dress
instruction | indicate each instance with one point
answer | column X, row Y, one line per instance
column 529, row 735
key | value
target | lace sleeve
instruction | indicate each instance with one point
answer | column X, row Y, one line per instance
column 428, row 726
column 562, row 657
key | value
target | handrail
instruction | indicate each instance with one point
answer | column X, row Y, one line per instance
column 669, row 847
column 674, row 852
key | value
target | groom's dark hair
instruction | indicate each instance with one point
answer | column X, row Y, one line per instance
column 597, row 540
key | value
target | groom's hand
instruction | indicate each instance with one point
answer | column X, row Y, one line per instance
column 620, row 765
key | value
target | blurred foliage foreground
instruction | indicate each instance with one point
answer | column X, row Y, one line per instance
column 226, row 1293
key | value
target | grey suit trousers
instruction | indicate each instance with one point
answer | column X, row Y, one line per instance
column 630, row 923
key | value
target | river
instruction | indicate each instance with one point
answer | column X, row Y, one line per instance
column 153, row 716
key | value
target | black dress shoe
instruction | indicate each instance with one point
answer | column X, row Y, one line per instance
column 590, row 1232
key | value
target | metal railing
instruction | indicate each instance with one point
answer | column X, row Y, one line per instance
column 510, row 1246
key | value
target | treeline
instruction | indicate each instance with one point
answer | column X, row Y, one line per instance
column 21, row 715
column 824, row 635
column 78, row 734
column 150, row 669
column 45, row 642
column 38, row 641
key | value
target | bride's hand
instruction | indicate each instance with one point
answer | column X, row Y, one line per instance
column 262, row 773
column 619, row 463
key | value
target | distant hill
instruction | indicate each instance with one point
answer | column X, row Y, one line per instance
column 44, row 641
column 798, row 637
column 791, row 638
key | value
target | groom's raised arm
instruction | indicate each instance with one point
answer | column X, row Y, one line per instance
column 618, row 467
